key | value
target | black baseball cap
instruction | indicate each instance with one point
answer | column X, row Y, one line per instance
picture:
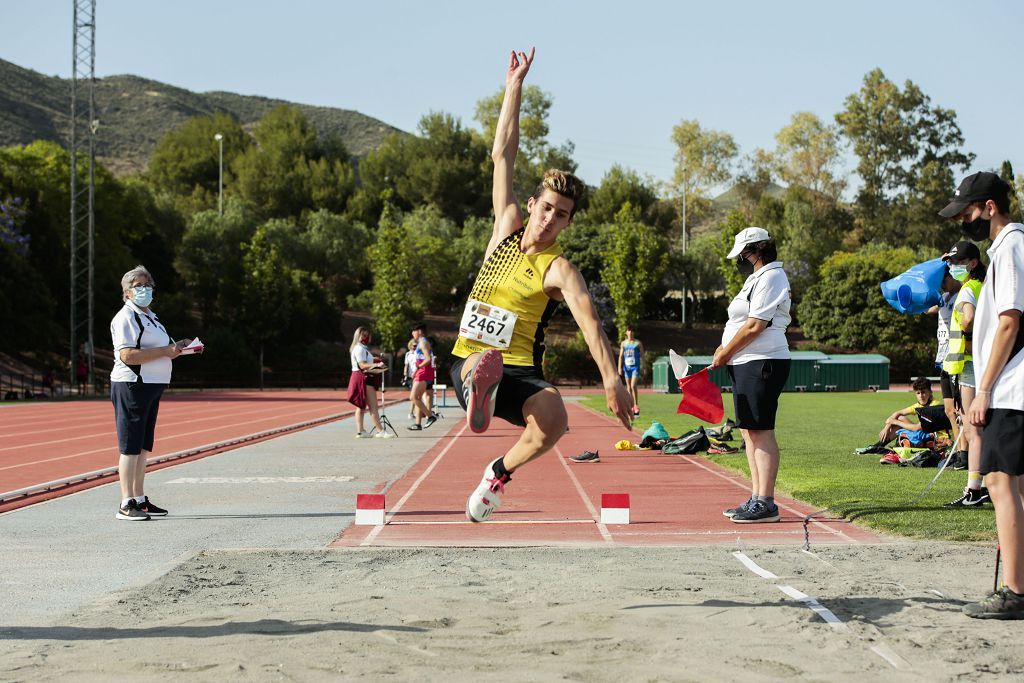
column 977, row 187
column 962, row 251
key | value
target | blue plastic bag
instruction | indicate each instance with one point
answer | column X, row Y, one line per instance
column 916, row 290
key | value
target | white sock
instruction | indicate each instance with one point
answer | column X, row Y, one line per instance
column 140, row 499
column 124, row 503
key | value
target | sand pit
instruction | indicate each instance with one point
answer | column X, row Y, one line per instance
column 536, row 614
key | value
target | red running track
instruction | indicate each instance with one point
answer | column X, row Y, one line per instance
column 675, row 500
column 42, row 442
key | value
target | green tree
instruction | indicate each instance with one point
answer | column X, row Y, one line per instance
column 704, row 160
column 698, row 271
column 733, row 223
column 813, row 232
column 443, row 166
column 621, row 186
column 186, row 161
column 845, row 307
column 428, row 240
column 907, row 149
column 636, row 259
column 536, row 153
column 335, row 249
column 808, row 154
column 393, row 275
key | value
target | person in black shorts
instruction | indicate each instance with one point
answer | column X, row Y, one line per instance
column 756, row 353
column 982, row 206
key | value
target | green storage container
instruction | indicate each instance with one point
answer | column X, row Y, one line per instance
column 804, row 371
column 661, row 376
column 854, row 372
column 719, row 376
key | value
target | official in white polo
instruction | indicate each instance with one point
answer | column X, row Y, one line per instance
column 756, row 353
column 143, row 352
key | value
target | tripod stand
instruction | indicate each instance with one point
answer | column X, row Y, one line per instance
column 384, row 421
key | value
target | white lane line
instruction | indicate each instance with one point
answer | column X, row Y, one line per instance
column 824, row 527
column 837, row 624
column 601, row 528
column 408, row 494
column 738, row 534
column 824, row 612
column 492, row 521
column 753, row 566
column 261, row 480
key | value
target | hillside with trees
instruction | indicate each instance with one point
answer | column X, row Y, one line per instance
column 305, row 236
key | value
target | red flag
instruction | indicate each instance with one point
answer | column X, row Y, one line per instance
column 701, row 398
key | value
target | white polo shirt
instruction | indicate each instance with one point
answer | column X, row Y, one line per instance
column 1003, row 291
column 765, row 296
column 126, row 333
column 360, row 354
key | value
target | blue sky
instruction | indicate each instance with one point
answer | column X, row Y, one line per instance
column 621, row 73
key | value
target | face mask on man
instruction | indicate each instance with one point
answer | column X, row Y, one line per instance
column 142, row 296
column 960, row 273
column 744, row 266
column 976, row 230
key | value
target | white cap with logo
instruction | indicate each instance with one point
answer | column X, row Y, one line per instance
column 747, row 236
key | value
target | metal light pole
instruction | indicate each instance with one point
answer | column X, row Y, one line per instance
column 682, row 317
column 220, row 173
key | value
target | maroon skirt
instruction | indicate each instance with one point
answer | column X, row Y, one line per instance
column 357, row 383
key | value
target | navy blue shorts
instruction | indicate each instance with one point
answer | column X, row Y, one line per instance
column 135, row 408
column 756, row 387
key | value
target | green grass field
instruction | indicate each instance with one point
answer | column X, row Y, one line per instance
column 817, row 434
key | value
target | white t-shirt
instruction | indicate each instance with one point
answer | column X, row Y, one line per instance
column 1003, row 291
column 410, row 363
column 945, row 318
column 360, row 354
column 765, row 296
column 126, row 334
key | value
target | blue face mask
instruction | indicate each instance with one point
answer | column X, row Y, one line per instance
column 959, row 273
column 142, row 296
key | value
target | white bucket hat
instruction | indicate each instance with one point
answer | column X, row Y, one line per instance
column 747, row 236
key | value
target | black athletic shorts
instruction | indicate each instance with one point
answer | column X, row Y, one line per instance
column 1002, row 442
column 947, row 384
column 518, row 383
column 756, row 387
column 135, row 409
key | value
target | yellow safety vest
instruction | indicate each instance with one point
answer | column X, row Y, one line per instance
column 959, row 341
column 515, row 282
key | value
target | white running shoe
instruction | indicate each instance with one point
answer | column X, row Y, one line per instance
column 487, row 496
column 480, row 388
column 384, row 435
column 363, row 435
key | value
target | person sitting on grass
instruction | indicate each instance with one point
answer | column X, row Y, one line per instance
column 900, row 421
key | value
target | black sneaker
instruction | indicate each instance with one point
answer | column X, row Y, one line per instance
column 131, row 512
column 971, row 498
column 742, row 507
column 414, row 428
column 756, row 513
column 1003, row 604
column 586, row 456
column 959, row 460
column 152, row 510
column 430, row 420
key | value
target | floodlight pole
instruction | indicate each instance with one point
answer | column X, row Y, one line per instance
column 682, row 314
column 81, row 253
column 220, row 173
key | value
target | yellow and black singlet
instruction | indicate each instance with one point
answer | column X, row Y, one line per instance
column 515, row 281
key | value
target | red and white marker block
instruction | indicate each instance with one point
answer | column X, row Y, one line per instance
column 614, row 508
column 370, row 508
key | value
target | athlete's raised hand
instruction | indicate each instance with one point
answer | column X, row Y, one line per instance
column 518, row 66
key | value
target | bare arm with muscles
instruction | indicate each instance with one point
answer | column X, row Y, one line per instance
column 566, row 278
column 507, row 216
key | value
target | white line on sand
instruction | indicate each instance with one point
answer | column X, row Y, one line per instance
column 605, row 534
column 412, row 489
column 882, row 650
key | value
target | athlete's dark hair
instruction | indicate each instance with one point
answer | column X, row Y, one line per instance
column 421, row 326
column 922, row 384
column 1002, row 203
column 563, row 183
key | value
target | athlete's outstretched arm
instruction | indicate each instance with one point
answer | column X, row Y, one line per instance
column 507, row 216
column 567, row 278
